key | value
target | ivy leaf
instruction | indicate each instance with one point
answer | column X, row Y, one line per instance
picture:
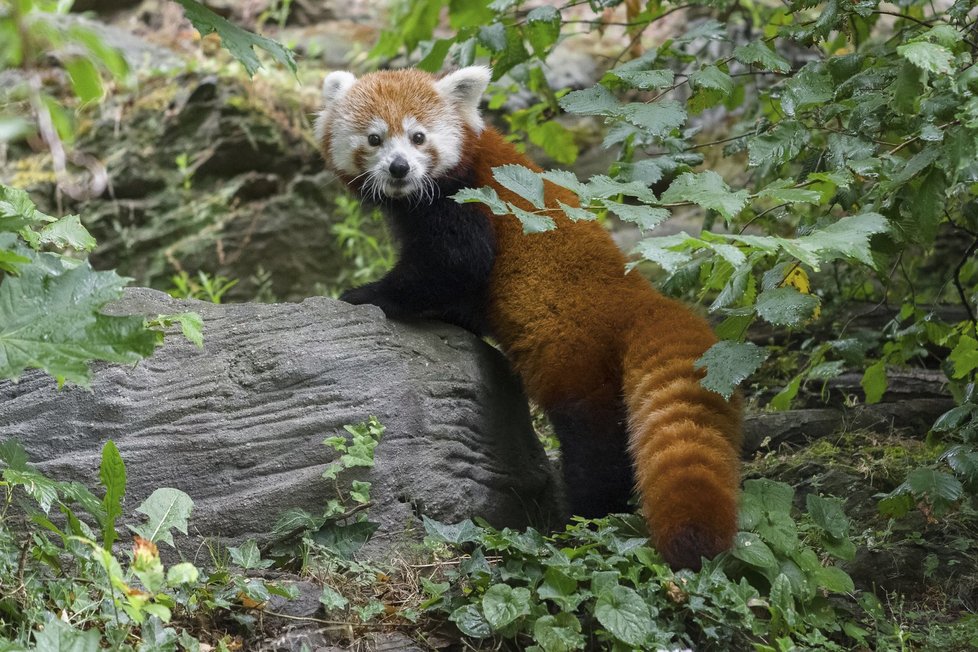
column 332, row 600
column 757, row 53
column 927, row 56
column 459, row 533
column 51, row 321
column 728, row 364
column 167, row 509
column 521, row 180
column 240, row 43
column 471, row 622
column 247, row 556
column 623, row 612
column 786, row 306
column 502, row 604
column 709, row 190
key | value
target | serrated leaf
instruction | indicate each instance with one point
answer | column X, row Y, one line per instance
column 167, row 509
column 51, row 321
column 502, row 604
column 657, row 119
column 646, row 79
column 709, row 190
column 786, row 306
column 964, row 356
column 575, row 213
column 810, row 86
column 931, row 57
column 713, row 78
column 542, row 28
column 623, row 612
column 646, row 217
column 782, row 144
column 522, row 181
column 532, row 223
column 556, row 140
column 67, row 232
column 596, row 100
column 485, row 195
column 848, row 237
column 601, row 186
column 757, row 53
column 240, row 43
column 728, row 364
column 112, row 474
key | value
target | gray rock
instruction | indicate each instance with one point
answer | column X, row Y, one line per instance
column 239, row 425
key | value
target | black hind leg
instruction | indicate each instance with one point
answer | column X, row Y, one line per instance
column 597, row 470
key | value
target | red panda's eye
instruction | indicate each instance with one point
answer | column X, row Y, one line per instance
column 374, row 140
column 417, row 138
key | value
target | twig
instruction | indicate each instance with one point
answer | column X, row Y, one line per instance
column 960, row 266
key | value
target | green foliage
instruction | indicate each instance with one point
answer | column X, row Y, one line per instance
column 239, row 42
column 603, row 588
column 50, row 301
column 363, row 241
column 205, row 287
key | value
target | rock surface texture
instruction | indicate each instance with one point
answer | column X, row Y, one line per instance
column 239, row 425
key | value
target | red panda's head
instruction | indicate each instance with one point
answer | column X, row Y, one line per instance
column 392, row 133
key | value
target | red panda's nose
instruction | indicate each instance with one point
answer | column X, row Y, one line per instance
column 399, row 167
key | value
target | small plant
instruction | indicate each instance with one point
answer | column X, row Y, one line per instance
column 205, row 287
column 369, row 255
column 598, row 585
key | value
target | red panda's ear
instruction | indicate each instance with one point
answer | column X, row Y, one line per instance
column 336, row 85
column 464, row 88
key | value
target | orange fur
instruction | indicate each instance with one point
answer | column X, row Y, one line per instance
column 577, row 328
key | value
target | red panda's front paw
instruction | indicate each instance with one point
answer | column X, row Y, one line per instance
column 358, row 296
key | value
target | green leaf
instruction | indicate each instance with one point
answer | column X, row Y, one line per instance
column 42, row 489
column 85, row 79
column 713, row 78
column 964, row 356
column 67, row 232
column 502, row 604
column 167, row 509
column 182, row 573
column 940, row 488
column 780, row 145
column 50, row 320
column 811, row 86
column 709, row 190
column 112, row 474
column 485, row 195
column 560, row 633
column 542, row 28
column 646, row 79
column 874, row 381
column 59, row 636
column 749, row 548
column 828, row 515
column 521, row 180
column 533, row 223
column 556, row 140
column 657, row 119
column 728, row 364
column 247, row 556
column 646, row 217
column 240, row 43
column 757, row 53
column 624, row 613
column 459, row 533
column 471, row 622
column 786, row 306
column 931, row 57
column 835, row 579
column 332, row 599
column 596, row 100
column 848, row 237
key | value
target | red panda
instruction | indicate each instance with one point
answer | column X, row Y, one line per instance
column 607, row 356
